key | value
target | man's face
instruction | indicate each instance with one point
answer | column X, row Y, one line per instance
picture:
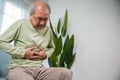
column 39, row 18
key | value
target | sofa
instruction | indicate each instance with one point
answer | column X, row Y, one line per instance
column 5, row 59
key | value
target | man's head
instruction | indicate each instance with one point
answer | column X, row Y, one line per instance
column 39, row 14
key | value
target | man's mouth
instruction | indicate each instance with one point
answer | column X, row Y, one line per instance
column 40, row 27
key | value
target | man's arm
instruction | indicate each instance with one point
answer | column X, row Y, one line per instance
column 7, row 37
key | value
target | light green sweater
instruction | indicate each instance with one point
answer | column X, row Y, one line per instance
column 24, row 35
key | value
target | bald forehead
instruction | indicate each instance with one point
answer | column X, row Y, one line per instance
column 41, row 5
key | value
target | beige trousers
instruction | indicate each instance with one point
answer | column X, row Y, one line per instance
column 38, row 73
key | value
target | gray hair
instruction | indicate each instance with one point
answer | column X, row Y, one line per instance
column 32, row 8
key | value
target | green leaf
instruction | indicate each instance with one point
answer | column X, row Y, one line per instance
column 50, row 62
column 54, row 57
column 70, row 50
column 71, row 62
column 55, row 40
column 53, row 61
column 69, row 56
column 66, row 42
column 51, row 26
column 64, row 28
column 66, row 50
column 54, row 33
column 58, row 26
column 58, row 47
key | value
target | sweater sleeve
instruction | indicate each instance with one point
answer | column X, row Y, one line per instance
column 10, row 35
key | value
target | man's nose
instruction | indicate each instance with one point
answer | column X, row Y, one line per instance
column 42, row 22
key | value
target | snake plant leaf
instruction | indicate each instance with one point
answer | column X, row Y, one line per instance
column 69, row 56
column 53, row 61
column 58, row 26
column 51, row 26
column 55, row 40
column 66, row 50
column 58, row 47
column 50, row 62
column 64, row 28
column 71, row 62
column 55, row 37
column 66, row 42
column 70, row 51
column 62, row 57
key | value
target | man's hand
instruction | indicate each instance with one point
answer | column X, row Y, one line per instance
column 29, row 53
column 34, row 55
column 40, row 55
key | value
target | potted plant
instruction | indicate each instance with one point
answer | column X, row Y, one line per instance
column 63, row 55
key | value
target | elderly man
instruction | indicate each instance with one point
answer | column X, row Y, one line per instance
column 32, row 44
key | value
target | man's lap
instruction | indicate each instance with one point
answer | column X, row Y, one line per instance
column 38, row 73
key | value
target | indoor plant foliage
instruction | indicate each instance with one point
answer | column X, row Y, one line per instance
column 63, row 55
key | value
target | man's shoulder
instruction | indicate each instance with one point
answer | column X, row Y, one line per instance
column 21, row 21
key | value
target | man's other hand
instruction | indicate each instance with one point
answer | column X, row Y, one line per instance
column 34, row 55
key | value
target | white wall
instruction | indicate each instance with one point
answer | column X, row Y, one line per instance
column 96, row 26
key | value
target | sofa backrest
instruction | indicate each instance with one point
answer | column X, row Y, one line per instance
column 5, row 59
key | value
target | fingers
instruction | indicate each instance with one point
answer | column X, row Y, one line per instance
column 34, row 58
column 33, row 54
column 33, row 48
